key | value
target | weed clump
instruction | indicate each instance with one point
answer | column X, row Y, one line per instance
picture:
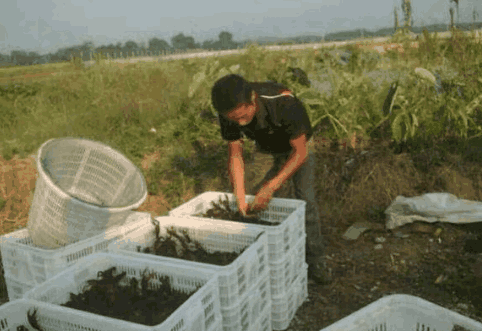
column 223, row 211
column 135, row 301
column 190, row 250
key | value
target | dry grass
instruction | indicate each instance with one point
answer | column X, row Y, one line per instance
column 379, row 180
column 17, row 184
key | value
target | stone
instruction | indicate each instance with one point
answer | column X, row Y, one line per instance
column 355, row 230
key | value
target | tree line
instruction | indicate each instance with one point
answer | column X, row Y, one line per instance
column 155, row 46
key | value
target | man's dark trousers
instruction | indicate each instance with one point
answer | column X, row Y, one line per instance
column 304, row 189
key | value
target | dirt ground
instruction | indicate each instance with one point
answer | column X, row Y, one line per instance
column 438, row 262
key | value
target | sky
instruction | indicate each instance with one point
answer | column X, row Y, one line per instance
column 47, row 25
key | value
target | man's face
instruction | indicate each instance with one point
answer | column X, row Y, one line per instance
column 242, row 114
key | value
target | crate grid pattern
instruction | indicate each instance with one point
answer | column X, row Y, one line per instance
column 27, row 265
column 201, row 312
column 284, row 308
column 250, row 311
column 83, row 188
column 235, row 279
column 281, row 238
column 13, row 315
column 401, row 312
column 284, row 273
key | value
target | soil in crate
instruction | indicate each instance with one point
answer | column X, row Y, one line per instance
column 221, row 210
column 190, row 249
column 136, row 302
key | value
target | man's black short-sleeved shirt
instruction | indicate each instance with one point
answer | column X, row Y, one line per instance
column 279, row 119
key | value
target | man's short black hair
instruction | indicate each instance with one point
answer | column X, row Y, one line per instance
column 230, row 91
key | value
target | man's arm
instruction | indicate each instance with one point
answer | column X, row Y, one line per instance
column 293, row 163
column 236, row 172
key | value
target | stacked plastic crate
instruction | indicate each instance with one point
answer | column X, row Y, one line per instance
column 244, row 286
column 200, row 312
column 286, row 249
column 27, row 265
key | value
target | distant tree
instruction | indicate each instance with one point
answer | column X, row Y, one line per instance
column 156, row 44
column 181, row 41
column 226, row 40
column 19, row 57
column 5, row 60
column 451, row 11
column 407, row 12
column 457, row 7
column 397, row 23
column 475, row 16
column 211, row 44
column 131, row 45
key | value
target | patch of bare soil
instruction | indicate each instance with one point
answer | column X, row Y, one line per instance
column 438, row 262
column 17, row 185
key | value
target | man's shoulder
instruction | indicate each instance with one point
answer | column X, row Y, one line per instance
column 268, row 88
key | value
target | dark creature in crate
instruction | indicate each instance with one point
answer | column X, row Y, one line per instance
column 190, row 250
column 223, row 211
column 32, row 320
column 459, row 328
column 132, row 301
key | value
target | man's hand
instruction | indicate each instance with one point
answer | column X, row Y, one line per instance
column 243, row 208
column 262, row 198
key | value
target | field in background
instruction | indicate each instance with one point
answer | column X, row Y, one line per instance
column 159, row 114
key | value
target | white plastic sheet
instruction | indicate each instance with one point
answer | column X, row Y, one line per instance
column 432, row 207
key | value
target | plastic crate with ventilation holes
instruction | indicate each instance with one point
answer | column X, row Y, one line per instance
column 201, row 312
column 27, row 265
column 287, row 216
column 401, row 312
column 235, row 279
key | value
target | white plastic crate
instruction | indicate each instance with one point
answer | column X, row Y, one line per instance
column 13, row 315
column 264, row 323
column 250, row 310
column 284, row 272
column 15, row 288
column 235, row 279
column 289, row 213
column 50, row 317
column 401, row 312
column 27, row 265
column 201, row 312
column 284, row 308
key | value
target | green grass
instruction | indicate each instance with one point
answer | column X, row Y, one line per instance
column 120, row 106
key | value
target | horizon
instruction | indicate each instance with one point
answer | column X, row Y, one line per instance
column 49, row 25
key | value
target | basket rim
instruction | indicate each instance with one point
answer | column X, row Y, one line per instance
column 89, row 205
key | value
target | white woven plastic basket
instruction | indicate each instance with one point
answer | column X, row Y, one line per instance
column 201, row 312
column 287, row 214
column 27, row 265
column 401, row 312
column 83, row 188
